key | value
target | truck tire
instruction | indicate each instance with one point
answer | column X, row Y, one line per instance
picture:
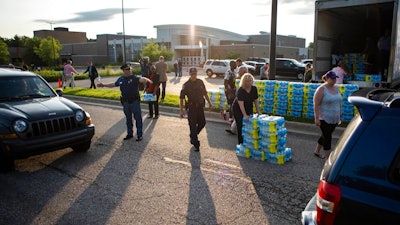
column 6, row 165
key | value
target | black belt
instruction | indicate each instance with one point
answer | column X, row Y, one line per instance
column 129, row 100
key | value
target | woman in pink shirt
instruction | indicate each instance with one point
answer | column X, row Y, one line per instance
column 341, row 70
column 69, row 72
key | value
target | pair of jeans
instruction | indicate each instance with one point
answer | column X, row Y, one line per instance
column 92, row 84
column 163, row 86
column 180, row 71
column 129, row 109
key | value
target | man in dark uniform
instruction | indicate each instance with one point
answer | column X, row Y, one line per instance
column 196, row 91
column 130, row 99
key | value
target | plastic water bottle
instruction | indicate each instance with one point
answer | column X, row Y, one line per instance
column 288, row 154
column 240, row 150
column 258, row 155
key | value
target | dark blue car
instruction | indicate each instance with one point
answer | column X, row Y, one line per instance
column 360, row 182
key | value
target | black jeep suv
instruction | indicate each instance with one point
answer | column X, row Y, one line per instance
column 34, row 119
column 360, row 181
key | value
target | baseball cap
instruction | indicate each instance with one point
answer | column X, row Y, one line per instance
column 330, row 74
column 125, row 66
column 192, row 70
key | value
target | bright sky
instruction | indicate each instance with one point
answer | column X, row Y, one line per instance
column 22, row 17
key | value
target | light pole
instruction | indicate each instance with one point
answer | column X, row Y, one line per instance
column 52, row 40
column 115, row 50
column 123, row 32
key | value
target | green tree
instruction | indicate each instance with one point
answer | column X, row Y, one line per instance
column 48, row 50
column 17, row 41
column 153, row 51
column 232, row 55
column 30, row 56
column 4, row 53
column 168, row 55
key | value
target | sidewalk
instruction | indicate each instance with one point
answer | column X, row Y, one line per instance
column 174, row 85
column 291, row 126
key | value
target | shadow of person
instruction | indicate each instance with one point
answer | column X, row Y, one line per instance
column 201, row 208
column 175, row 80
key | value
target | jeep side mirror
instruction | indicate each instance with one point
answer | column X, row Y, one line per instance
column 59, row 92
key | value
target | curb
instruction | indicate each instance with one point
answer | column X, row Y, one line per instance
column 293, row 127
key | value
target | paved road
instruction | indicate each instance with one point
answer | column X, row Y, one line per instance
column 160, row 180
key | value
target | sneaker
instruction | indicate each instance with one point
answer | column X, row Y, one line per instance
column 129, row 136
column 229, row 131
column 139, row 138
column 156, row 117
column 149, row 117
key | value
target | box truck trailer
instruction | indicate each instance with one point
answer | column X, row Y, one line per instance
column 350, row 31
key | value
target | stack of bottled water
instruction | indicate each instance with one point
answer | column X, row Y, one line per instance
column 281, row 98
column 269, row 96
column 348, row 109
column 264, row 138
column 260, row 84
column 308, row 99
column 295, row 95
column 218, row 98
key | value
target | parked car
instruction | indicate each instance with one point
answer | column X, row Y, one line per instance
column 133, row 64
column 258, row 59
column 360, row 181
column 12, row 67
column 251, row 69
column 305, row 61
column 290, row 68
column 217, row 67
column 35, row 119
column 257, row 66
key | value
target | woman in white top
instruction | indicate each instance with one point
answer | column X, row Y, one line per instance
column 327, row 112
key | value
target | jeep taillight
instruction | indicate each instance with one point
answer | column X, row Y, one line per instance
column 328, row 200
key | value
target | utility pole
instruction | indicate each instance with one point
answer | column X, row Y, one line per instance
column 272, row 41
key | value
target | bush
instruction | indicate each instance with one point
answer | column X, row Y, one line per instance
column 53, row 75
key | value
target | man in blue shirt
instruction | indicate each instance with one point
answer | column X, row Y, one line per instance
column 130, row 99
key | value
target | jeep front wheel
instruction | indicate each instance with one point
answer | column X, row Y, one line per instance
column 82, row 147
